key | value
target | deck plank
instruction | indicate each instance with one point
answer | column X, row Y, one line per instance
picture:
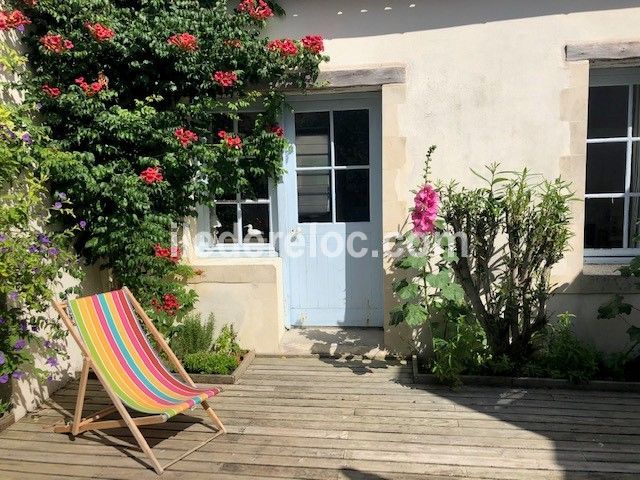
column 313, row 418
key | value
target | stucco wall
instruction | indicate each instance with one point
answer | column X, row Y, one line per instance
column 487, row 81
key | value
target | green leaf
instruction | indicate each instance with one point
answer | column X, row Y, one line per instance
column 415, row 315
column 411, row 261
column 439, row 280
column 616, row 306
column 408, row 290
column 454, row 293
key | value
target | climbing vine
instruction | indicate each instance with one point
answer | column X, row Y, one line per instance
column 136, row 88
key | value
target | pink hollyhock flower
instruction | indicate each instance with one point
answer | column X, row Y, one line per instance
column 285, row 47
column 225, row 79
column 425, row 210
column 313, row 43
column 184, row 41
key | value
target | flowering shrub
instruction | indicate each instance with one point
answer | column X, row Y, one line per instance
column 134, row 97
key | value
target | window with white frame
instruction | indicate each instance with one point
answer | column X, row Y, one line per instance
column 612, row 200
column 237, row 222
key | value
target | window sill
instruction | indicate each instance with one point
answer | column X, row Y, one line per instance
column 264, row 251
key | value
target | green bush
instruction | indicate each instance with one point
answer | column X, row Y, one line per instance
column 226, row 342
column 563, row 355
column 193, row 335
column 459, row 345
column 210, row 363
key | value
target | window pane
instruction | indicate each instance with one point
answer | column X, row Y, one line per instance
column 604, row 218
column 352, row 195
column 606, row 164
column 224, row 223
column 634, row 222
column 351, row 137
column 314, row 197
column 258, row 188
column 608, row 107
column 246, row 123
column 219, row 122
column 312, row 139
column 255, row 219
column 636, row 111
column 635, row 167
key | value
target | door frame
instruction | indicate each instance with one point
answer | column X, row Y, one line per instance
column 286, row 192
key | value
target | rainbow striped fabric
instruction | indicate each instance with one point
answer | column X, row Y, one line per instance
column 122, row 354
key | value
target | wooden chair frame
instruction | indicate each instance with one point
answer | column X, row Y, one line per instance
column 94, row 422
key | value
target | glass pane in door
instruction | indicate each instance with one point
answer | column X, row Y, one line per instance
column 351, row 137
column 352, row 195
column 314, row 196
column 313, row 133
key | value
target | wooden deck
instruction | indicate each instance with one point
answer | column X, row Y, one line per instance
column 327, row 419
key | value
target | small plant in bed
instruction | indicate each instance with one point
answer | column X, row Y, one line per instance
column 210, row 363
column 202, row 352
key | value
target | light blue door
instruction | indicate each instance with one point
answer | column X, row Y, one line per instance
column 330, row 212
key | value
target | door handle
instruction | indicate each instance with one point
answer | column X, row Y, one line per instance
column 294, row 233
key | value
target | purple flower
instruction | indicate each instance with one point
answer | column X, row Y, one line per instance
column 42, row 238
column 23, row 326
column 20, row 344
column 52, row 361
column 35, row 328
column 26, row 138
column 53, row 251
column 82, row 224
column 61, row 195
column 3, row 359
column 4, row 378
column 18, row 375
column 49, row 378
column 20, row 28
column 3, row 237
column 13, row 295
column 57, row 205
column 33, row 249
column 48, row 344
column 2, row 321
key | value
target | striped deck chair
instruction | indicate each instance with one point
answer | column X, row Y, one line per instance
column 115, row 347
